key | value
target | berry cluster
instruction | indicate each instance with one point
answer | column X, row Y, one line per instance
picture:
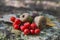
column 26, row 27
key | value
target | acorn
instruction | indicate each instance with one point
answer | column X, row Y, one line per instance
column 40, row 21
column 26, row 17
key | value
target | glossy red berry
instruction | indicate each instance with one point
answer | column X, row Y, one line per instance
column 27, row 24
column 12, row 19
column 37, row 31
column 32, row 31
column 16, row 26
column 17, row 21
column 22, row 28
column 26, row 31
column 33, row 26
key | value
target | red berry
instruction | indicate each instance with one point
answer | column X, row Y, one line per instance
column 16, row 26
column 33, row 26
column 12, row 19
column 32, row 31
column 37, row 31
column 17, row 21
column 26, row 31
column 22, row 28
column 27, row 24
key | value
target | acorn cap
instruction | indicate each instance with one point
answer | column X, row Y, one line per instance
column 24, row 17
column 40, row 21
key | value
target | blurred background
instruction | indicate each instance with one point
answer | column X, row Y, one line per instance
column 16, row 6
